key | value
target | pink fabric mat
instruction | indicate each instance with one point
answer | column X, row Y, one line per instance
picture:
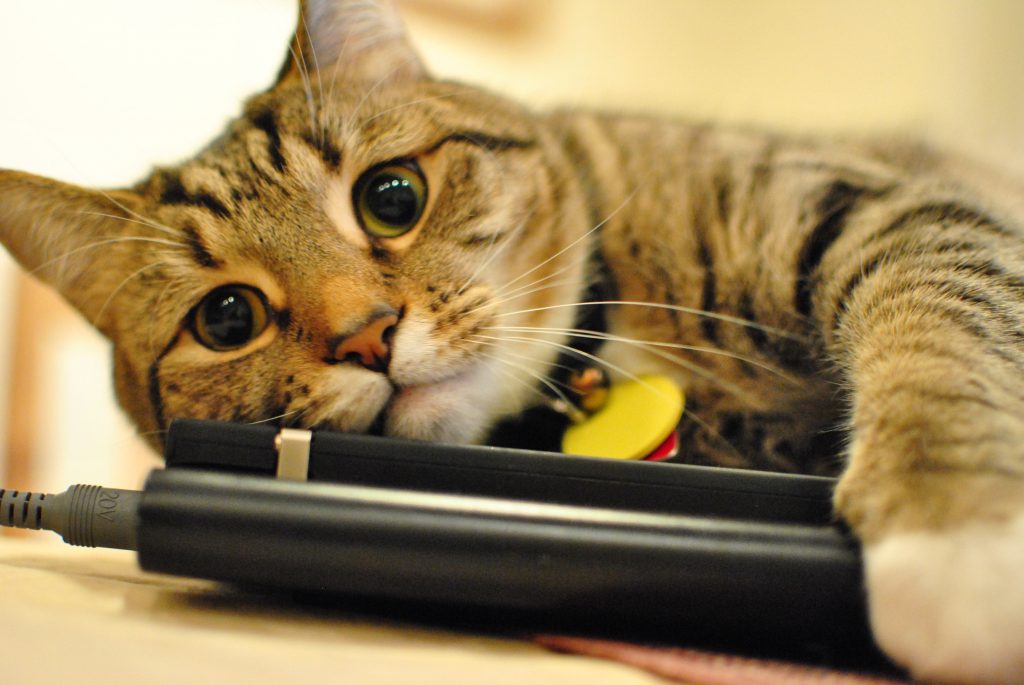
column 707, row 668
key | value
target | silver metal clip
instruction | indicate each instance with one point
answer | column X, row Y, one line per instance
column 292, row 447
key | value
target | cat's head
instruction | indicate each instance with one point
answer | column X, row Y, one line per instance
column 344, row 255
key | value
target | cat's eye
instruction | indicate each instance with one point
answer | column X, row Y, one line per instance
column 389, row 199
column 230, row 317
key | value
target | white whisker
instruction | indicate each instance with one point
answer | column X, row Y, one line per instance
column 300, row 63
column 739, row 462
column 275, row 418
column 508, row 372
column 579, row 239
column 527, row 358
column 141, row 222
column 143, row 219
column 151, row 337
column 682, row 363
column 496, row 250
column 532, row 291
column 101, row 243
column 597, row 335
column 320, row 84
column 670, row 307
column 579, row 353
column 698, row 370
column 504, row 290
column 545, row 381
column 122, row 284
column 370, row 91
column 412, row 103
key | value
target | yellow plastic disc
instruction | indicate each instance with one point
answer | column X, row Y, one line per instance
column 636, row 419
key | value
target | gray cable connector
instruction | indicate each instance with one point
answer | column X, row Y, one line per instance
column 84, row 515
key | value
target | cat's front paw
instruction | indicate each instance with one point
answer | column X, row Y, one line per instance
column 949, row 605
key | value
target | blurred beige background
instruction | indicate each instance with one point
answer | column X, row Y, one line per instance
column 96, row 92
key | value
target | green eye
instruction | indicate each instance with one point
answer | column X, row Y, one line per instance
column 230, row 317
column 389, row 199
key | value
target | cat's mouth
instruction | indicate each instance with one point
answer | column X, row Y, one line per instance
column 400, row 395
column 377, row 427
column 406, row 400
column 452, row 409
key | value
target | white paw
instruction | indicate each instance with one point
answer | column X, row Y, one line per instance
column 950, row 605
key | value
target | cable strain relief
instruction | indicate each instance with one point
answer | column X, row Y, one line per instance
column 78, row 529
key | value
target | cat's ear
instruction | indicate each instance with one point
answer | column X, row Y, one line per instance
column 352, row 40
column 81, row 242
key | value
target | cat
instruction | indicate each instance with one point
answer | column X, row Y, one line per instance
column 368, row 249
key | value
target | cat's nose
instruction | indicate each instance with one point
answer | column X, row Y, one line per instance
column 370, row 346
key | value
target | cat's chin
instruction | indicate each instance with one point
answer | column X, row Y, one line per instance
column 458, row 409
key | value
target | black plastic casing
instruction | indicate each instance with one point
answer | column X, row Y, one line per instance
column 511, row 473
column 590, row 542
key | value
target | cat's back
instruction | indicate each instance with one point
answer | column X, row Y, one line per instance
column 749, row 195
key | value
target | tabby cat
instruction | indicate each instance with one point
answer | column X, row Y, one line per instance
column 369, row 249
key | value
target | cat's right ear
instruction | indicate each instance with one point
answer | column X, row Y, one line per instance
column 82, row 242
column 351, row 40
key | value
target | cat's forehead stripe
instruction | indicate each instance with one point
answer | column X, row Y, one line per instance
column 486, row 141
column 175, row 193
column 265, row 120
column 199, row 249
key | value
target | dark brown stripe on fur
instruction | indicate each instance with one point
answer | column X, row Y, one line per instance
column 833, row 210
column 664, row 279
column 708, row 325
column 943, row 395
column 483, row 140
column 265, row 120
column 761, row 175
column 763, row 169
column 846, row 294
column 709, row 290
column 945, row 214
column 987, row 270
column 721, row 182
column 326, row 148
column 745, row 309
column 959, row 308
column 174, row 193
column 262, row 176
column 868, row 269
column 380, row 254
column 977, row 298
column 155, row 397
column 580, row 163
column 200, row 252
column 965, row 316
column 971, row 297
column 488, row 239
column 994, row 273
column 891, row 253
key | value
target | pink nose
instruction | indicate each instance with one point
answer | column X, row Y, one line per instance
column 371, row 345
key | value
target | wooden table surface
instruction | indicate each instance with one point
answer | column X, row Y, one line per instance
column 91, row 616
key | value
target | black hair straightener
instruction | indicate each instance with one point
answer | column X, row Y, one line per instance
column 565, row 541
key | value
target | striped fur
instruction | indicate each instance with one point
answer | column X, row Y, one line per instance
column 830, row 307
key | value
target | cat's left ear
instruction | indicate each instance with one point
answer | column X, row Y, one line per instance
column 346, row 40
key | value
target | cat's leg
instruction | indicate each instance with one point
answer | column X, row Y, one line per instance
column 935, row 483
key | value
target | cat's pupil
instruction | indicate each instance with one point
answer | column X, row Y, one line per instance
column 392, row 200
column 389, row 199
column 228, row 319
